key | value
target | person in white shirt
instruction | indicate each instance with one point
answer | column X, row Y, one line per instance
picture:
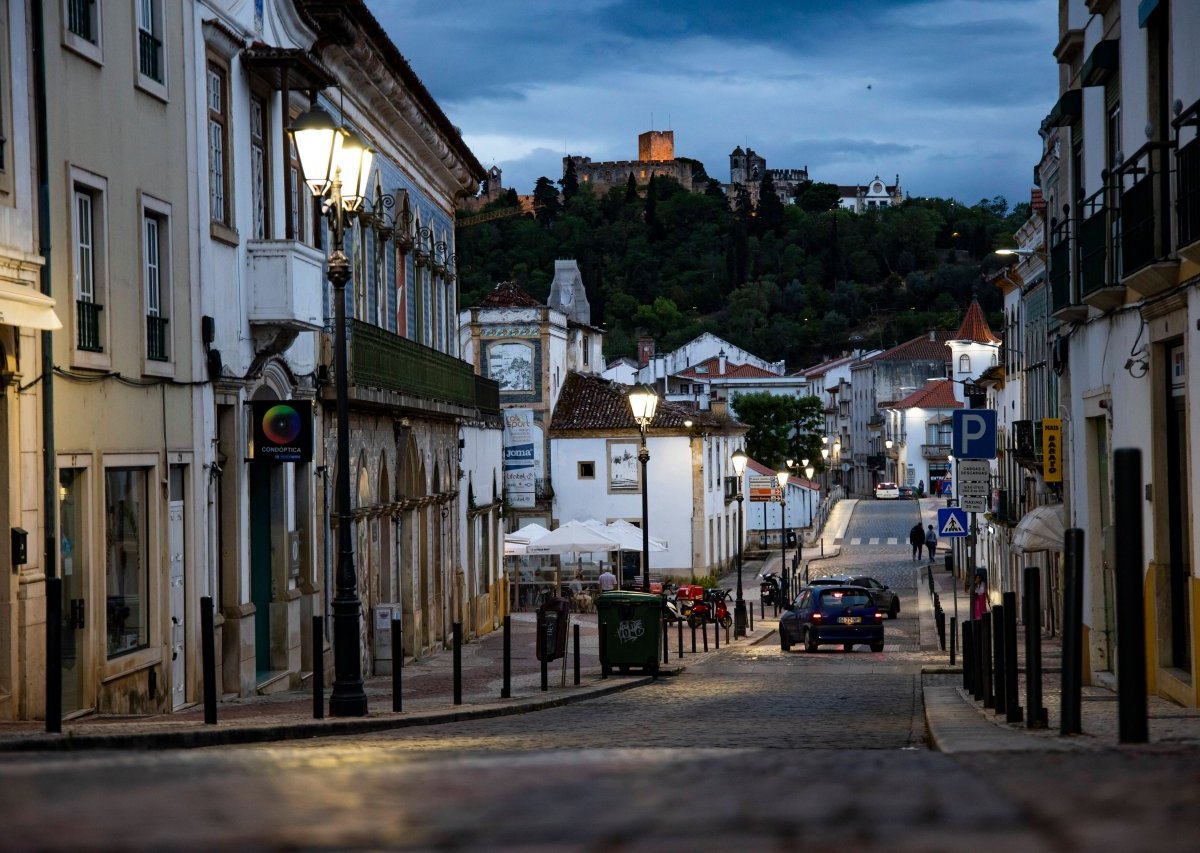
column 608, row 581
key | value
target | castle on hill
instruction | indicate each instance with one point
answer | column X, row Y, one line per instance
column 656, row 158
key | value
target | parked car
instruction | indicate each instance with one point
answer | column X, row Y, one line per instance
column 907, row 493
column 832, row 615
column 887, row 491
column 885, row 597
column 830, row 580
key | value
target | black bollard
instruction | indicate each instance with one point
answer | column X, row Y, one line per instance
column 950, row 563
column 1012, row 701
column 976, row 661
column 998, row 656
column 457, row 663
column 751, row 610
column 208, row 652
column 54, row 635
column 666, row 642
column 576, row 654
column 968, row 664
column 1034, row 719
column 1071, row 714
column 397, row 663
column 953, row 638
column 679, row 630
column 1131, row 629
column 704, row 634
column 318, row 670
column 693, row 627
column 506, row 686
column 985, row 659
column 545, row 673
column 602, row 639
column 716, row 634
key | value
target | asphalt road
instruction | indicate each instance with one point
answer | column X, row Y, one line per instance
column 756, row 748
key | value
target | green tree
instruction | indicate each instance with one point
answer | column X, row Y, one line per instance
column 820, row 197
column 546, row 205
column 769, row 215
column 780, row 427
column 569, row 182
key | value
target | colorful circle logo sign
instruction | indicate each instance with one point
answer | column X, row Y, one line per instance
column 281, row 424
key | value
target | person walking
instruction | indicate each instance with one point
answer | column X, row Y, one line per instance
column 607, row 580
column 916, row 538
column 979, row 597
column 931, row 541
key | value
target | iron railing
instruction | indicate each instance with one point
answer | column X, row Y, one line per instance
column 150, row 56
column 1093, row 243
column 1187, row 204
column 156, row 338
column 935, row 451
column 81, row 18
column 380, row 359
column 1145, row 234
column 88, row 337
column 1061, row 290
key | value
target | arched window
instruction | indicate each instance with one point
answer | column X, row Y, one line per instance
column 964, row 364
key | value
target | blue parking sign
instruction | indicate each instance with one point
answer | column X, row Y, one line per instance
column 952, row 521
column 973, row 434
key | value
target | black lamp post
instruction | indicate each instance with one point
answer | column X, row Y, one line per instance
column 643, row 402
column 781, row 477
column 336, row 163
column 739, row 606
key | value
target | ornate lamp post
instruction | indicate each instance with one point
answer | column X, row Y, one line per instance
column 888, row 467
column 335, row 162
column 825, row 463
column 781, row 477
column 643, row 402
column 738, row 460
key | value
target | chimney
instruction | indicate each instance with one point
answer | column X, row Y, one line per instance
column 721, row 362
column 645, row 351
column 720, row 408
column 932, row 335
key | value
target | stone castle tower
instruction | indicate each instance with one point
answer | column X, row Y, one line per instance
column 656, row 145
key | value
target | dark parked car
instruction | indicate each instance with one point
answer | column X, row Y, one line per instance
column 885, row 597
column 830, row 580
column 832, row 615
column 907, row 492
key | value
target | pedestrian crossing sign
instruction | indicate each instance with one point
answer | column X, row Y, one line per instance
column 952, row 521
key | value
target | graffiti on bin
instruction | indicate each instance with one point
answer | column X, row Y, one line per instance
column 629, row 630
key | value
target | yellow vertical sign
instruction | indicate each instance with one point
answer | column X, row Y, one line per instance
column 1052, row 449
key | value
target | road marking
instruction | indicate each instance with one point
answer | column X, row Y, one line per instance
column 892, row 540
column 874, row 540
column 856, row 541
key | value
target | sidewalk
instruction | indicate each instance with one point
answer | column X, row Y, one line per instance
column 426, row 690
column 957, row 723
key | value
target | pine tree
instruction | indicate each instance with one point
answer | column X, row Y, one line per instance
column 569, row 182
column 768, row 216
column 631, row 192
column 546, row 205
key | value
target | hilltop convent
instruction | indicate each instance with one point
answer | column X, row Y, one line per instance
column 656, row 156
column 748, row 168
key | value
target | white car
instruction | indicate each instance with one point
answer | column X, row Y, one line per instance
column 888, row 491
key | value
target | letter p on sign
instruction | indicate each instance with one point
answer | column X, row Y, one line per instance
column 974, row 434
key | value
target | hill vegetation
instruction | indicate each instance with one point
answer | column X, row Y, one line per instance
column 796, row 282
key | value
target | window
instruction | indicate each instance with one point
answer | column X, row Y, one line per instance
column 156, row 280
column 127, row 573
column 964, row 364
column 218, row 148
column 259, row 170
column 150, row 44
column 88, row 257
column 358, row 257
column 587, row 470
column 82, row 18
column 300, row 200
column 6, row 98
column 587, row 350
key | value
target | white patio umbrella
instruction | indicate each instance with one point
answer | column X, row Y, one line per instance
column 575, row 537
column 631, row 533
column 516, row 543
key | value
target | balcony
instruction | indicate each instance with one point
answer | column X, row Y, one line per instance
column 156, row 338
column 875, row 422
column 150, row 56
column 88, row 313
column 285, row 283
column 391, row 371
column 1064, row 299
column 935, row 451
column 1187, row 193
column 1145, row 223
column 1098, row 283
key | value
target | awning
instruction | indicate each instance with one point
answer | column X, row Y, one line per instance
column 21, row 306
column 1040, row 529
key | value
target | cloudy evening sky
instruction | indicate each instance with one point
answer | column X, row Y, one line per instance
column 947, row 93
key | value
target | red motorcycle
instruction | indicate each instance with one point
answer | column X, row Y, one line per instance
column 711, row 607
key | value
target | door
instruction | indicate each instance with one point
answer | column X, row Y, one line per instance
column 1178, row 512
column 260, row 563
column 73, row 566
column 176, row 548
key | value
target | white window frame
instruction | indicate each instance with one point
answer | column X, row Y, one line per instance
column 91, row 50
column 964, row 363
column 96, row 188
column 220, row 184
column 260, row 167
column 160, row 212
column 148, row 18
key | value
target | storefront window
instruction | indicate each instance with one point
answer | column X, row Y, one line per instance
column 126, row 552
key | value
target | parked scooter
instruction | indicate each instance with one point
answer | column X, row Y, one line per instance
column 711, row 607
column 671, row 607
column 770, row 589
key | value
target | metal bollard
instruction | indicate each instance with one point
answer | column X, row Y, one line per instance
column 1012, row 702
column 693, row 627
column 679, row 630
column 998, row 656
column 716, row 633
column 704, row 634
column 318, row 672
column 1035, row 716
column 506, row 685
column 1071, row 714
column 208, row 651
column 602, row 641
column 953, row 637
column 53, row 655
column 1131, row 628
column 751, row 609
column 985, row 659
column 666, row 642
column 968, row 664
column 457, row 663
column 545, row 672
column 950, row 563
column 576, row 638
column 976, row 661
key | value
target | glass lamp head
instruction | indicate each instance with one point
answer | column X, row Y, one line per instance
column 354, row 167
column 738, row 460
column 781, row 477
column 318, row 145
column 809, row 471
column 643, row 402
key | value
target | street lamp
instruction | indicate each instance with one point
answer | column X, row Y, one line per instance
column 643, row 401
column 825, row 462
column 738, row 461
column 781, row 477
column 336, row 162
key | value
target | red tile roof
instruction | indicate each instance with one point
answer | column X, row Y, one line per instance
column 732, row 371
column 762, row 470
column 937, row 394
column 588, row 402
column 508, row 294
column 974, row 326
column 918, row 349
column 825, row 366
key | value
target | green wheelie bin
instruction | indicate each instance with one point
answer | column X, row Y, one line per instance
column 630, row 626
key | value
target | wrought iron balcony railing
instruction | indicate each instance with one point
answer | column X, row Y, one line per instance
column 1144, row 206
column 81, row 20
column 935, row 451
column 1187, row 175
column 150, row 56
column 88, row 332
column 156, row 338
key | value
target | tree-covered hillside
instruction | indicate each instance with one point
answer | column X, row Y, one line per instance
column 784, row 281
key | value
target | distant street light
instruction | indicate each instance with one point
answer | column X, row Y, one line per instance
column 643, row 402
column 781, row 477
column 738, row 460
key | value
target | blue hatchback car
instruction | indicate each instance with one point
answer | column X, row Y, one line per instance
column 832, row 615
